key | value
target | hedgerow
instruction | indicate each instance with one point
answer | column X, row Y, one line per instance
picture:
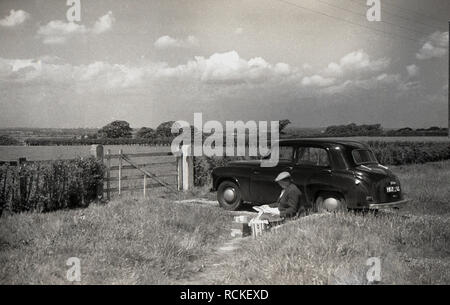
column 103, row 141
column 49, row 186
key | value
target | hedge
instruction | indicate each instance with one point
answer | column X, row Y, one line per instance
column 51, row 185
column 103, row 141
column 400, row 153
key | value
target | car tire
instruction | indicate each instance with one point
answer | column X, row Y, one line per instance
column 329, row 203
column 229, row 196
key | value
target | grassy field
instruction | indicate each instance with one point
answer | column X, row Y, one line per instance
column 156, row 241
column 413, row 245
column 128, row 241
column 68, row 152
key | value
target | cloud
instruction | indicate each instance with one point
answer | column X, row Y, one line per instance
column 97, row 76
column 229, row 67
column 104, row 23
column 317, row 81
column 58, row 32
column 239, row 31
column 14, row 18
column 412, row 70
column 224, row 81
column 165, row 42
column 356, row 62
column 224, row 69
column 435, row 47
column 351, row 68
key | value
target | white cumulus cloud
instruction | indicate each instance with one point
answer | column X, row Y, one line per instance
column 165, row 42
column 14, row 18
column 357, row 61
column 58, row 32
column 228, row 67
column 317, row 81
column 104, row 23
column 436, row 46
column 239, row 31
column 413, row 70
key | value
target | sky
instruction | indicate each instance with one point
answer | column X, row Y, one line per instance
column 314, row 62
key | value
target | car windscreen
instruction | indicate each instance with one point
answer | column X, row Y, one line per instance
column 363, row 156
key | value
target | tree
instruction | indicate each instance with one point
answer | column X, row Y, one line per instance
column 146, row 133
column 116, row 129
column 165, row 129
column 282, row 125
column 8, row 140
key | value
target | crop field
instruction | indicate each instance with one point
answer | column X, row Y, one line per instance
column 154, row 241
column 68, row 152
column 396, row 139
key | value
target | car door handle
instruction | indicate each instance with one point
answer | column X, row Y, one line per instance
column 256, row 172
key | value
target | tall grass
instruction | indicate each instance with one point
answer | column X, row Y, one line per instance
column 155, row 241
column 333, row 250
column 427, row 186
column 413, row 244
column 128, row 241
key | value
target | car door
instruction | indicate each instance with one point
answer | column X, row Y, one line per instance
column 263, row 188
column 312, row 170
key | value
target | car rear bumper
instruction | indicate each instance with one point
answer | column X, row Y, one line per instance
column 388, row 205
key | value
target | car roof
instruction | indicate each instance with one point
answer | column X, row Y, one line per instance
column 322, row 141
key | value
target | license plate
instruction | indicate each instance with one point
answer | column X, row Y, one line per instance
column 392, row 189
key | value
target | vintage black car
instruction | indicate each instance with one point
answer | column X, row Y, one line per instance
column 332, row 175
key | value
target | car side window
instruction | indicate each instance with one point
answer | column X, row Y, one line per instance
column 286, row 153
column 314, row 156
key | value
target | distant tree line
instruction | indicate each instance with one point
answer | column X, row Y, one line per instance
column 352, row 130
column 120, row 133
column 8, row 140
column 407, row 131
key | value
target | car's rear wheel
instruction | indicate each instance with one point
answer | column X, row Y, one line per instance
column 229, row 195
column 326, row 203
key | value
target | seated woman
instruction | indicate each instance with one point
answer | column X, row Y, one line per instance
column 288, row 204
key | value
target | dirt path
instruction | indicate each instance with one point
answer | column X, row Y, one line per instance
column 211, row 271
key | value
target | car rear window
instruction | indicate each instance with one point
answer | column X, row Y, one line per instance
column 363, row 156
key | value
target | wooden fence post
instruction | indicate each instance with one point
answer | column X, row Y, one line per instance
column 22, row 182
column 145, row 185
column 108, row 174
column 180, row 171
column 120, row 171
column 97, row 152
column 187, row 168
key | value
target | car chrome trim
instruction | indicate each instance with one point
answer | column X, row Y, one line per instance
column 386, row 205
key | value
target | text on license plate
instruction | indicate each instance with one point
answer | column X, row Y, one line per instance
column 392, row 189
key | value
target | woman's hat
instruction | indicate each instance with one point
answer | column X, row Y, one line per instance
column 282, row 176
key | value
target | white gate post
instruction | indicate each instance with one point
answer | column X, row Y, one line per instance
column 97, row 152
column 185, row 169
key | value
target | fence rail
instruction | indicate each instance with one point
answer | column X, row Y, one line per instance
column 182, row 170
column 139, row 155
